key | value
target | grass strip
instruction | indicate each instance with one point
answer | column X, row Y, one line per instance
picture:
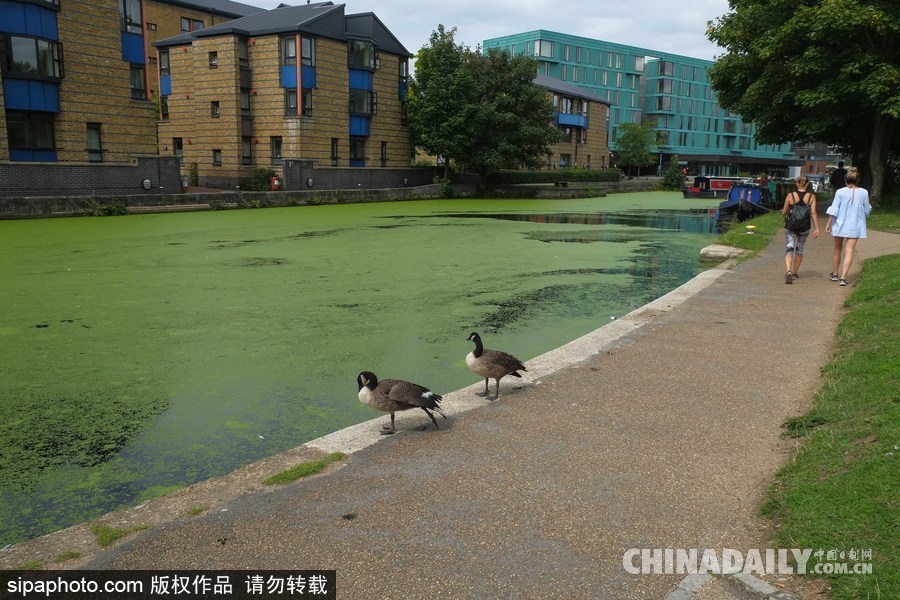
column 304, row 469
column 106, row 535
column 841, row 492
column 767, row 226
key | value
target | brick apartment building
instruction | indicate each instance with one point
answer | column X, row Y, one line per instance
column 307, row 83
column 581, row 118
column 76, row 89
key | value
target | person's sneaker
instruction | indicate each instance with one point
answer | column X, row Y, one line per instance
column 833, row 276
column 788, row 277
column 795, row 276
column 843, row 282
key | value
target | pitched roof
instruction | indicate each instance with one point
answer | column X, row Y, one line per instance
column 558, row 85
column 324, row 19
column 220, row 7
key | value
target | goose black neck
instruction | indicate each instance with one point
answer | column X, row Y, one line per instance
column 479, row 347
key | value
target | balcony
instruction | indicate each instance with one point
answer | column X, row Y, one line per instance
column 570, row 119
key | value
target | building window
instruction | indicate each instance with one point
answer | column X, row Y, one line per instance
column 290, row 101
column 188, row 24
column 213, row 60
column 565, row 160
column 307, row 102
column 246, row 150
column 163, row 62
column 404, row 114
column 276, row 151
column 243, row 52
column 666, row 68
column 383, row 154
column 363, row 102
column 29, row 131
column 217, row 158
column 639, row 64
column 545, row 49
column 665, row 86
column 404, row 72
column 288, row 51
column 245, row 102
column 151, row 60
column 164, row 108
column 138, row 86
column 214, row 109
column 335, row 144
column 357, row 149
column 95, row 152
column 664, row 103
column 308, row 51
column 131, row 16
column 178, row 149
column 31, row 56
column 361, row 54
column 151, row 26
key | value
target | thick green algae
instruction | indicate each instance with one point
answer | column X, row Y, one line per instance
column 147, row 352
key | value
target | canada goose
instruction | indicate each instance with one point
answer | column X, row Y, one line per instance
column 492, row 364
column 392, row 395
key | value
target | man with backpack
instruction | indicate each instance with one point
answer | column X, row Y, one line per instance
column 799, row 214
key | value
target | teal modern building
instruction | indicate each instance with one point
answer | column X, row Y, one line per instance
column 669, row 91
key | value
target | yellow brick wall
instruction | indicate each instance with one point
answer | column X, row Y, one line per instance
column 195, row 85
column 97, row 87
column 167, row 19
column 386, row 125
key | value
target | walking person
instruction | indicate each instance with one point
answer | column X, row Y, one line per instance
column 847, row 223
column 838, row 177
column 799, row 212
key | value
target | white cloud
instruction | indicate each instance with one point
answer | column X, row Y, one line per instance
column 677, row 28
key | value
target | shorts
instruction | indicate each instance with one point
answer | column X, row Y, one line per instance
column 795, row 242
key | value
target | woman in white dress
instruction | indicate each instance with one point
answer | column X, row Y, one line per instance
column 847, row 223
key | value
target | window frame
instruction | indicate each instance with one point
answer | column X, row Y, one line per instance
column 95, row 153
column 246, row 150
column 276, row 144
column 215, row 109
column 138, row 92
column 49, row 58
column 217, row 157
column 38, row 126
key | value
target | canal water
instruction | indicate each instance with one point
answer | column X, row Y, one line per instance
column 143, row 353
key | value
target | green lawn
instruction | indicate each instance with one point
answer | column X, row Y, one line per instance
column 842, row 490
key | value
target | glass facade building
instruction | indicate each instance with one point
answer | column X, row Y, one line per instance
column 670, row 92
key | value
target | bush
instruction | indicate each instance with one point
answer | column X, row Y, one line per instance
column 673, row 178
column 257, row 180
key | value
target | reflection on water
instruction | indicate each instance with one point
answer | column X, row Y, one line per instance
column 238, row 334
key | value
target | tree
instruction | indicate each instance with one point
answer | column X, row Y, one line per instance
column 673, row 177
column 442, row 98
column 634, row 145
column 482, row 111
column 823, row 71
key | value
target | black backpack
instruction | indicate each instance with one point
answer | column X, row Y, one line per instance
column 798, row 217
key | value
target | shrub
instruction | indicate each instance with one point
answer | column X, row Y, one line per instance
column 257, row 180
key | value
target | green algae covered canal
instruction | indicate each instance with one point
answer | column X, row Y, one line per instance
column 141, row 354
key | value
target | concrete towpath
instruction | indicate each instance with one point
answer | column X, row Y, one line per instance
column 660, row 430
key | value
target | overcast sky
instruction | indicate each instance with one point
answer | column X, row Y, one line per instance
column 675, row 27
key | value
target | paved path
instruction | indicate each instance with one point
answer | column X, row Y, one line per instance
column 663, row 438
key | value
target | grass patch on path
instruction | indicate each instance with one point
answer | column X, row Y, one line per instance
column 842, row 491
column 106, row 535
column 304, row 469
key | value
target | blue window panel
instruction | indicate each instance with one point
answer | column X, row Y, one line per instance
column 289, row 76
column 403, row 91
column 165, row 85
column 357, row 162
column 28, row 19
column 359, row 126
column 360, row 80
column 573, row 120
column 133, row 48
column 309, row 76
column 32, row 155
column 26, row 94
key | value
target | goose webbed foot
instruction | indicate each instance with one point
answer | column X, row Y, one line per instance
column 388, row 431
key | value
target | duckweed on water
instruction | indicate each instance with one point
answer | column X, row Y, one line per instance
column 148, row 352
